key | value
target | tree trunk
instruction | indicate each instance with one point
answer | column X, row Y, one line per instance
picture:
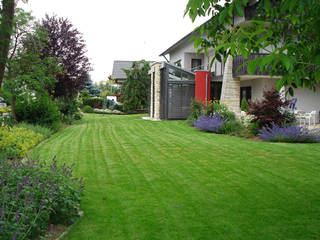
column 5, row 33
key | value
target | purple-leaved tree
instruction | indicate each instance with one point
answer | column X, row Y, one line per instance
column 66, row 43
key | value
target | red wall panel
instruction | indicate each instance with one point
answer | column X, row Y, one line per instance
column 200, row 93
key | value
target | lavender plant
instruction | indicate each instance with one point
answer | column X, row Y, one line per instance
column 34, row 194
column 212, row 123
column 291, row 133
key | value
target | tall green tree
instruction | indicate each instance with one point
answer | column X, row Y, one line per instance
column 135, row 89
column 288, row 30
column 27, row 73
column 6, row 25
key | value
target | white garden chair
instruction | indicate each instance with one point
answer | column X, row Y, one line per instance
column 311, row 116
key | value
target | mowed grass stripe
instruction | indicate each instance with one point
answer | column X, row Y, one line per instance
column 165, row 180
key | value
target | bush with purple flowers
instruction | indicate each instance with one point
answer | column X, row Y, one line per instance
column 34, row 195
column 212, row 123
column 293, row 134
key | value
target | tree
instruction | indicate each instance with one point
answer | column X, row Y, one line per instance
column 6, row 25
column 135, row 89
column 22, row 77
column 271, row 110
column 288, row 30
column 66, row 44
column 92, row 89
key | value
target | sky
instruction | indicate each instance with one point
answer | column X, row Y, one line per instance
column 121, row 29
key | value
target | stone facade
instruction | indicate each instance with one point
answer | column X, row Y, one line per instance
column 230, row 93
column 155, row 97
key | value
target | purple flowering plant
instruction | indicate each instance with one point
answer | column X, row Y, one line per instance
column 212, row 123
column 291, row 133
column 35, row 194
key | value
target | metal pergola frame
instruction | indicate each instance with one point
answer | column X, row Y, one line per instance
column 164, row 89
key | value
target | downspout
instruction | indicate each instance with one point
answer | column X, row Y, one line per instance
column 206, row 89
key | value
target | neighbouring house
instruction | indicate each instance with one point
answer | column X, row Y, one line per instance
column 118, row 75
column 173, row 83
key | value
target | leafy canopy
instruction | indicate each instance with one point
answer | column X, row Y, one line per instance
column 135, row 89
column 288, row 30
column 66, row 43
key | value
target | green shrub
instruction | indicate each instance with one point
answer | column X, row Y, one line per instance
column 87, row 109
column 67, row 106
column 15, row 142
column 253, row 128
column 214, row 107
column 46, row 132
column 34, row 195
column 94, row 102
column 117, row 107
column 197, row 109
column 39, row 111
column 232, row 128
column 78, row 116
column 67, row 119
column 245, row 105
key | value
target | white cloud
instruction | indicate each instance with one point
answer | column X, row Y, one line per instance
column 121, row 29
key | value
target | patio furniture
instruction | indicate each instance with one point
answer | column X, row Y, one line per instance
column 292, row 105
column 311, row 116
column 300, row 116
column 304, row 117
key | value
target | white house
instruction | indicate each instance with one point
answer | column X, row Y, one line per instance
column 236, row 84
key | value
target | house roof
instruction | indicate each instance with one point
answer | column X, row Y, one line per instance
column 182, row 40
column 177, row 44
column 117, row 71
column 118, row 65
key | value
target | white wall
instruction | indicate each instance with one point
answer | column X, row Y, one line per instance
column 258, row 86
column 179, row 53
column 189, row 56
column 308, row 100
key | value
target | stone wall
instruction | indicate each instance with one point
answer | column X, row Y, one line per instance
column 155, row 81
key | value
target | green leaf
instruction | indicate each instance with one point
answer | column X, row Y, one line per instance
column 239, row 9
column 291, row 92
column 280, row 84
column 267, row 5
column 252, row 66
column 317, row 76
column 223, row 15
column 286, row 62
column 298, row 82
column 197, row 42
column 292, row 4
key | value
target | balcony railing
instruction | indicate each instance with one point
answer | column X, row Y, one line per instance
column 239, row 68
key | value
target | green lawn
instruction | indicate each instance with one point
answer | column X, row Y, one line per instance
column 165, row 180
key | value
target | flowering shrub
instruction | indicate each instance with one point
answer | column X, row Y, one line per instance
column 213, row 123
column 33, row 194
column 246, row 119
column 106, row 111
column 15, row 142
column 5, row 110
column 214, row 107
column 289, row 134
